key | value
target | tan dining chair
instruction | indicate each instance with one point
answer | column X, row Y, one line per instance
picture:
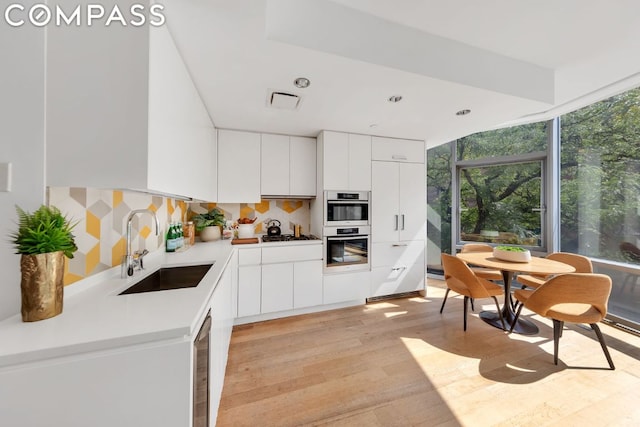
column 482, row 272
column 463, row 281
column 570, row 297
column 582, row 264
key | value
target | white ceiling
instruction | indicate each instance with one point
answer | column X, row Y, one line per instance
column 509, row 61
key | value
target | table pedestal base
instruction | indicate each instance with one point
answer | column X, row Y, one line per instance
column 523, row 326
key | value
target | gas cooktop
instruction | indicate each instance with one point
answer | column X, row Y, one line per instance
column 288, row 237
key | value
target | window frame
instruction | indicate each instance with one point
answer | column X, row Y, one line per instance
column 550, row 198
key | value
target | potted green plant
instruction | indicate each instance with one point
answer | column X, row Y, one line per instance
column 512, row 253
column 209, row 224
column 43, row 240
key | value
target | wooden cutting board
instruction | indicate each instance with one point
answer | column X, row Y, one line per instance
column 238, row 241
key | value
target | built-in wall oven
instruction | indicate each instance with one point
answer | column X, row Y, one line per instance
column 347, row 249
column 346, row 208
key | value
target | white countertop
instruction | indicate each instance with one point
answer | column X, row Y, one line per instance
column 95, row 317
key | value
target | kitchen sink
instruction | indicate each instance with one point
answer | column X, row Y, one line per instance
column 168, row 278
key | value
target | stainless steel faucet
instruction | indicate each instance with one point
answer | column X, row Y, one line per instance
column 129, row 262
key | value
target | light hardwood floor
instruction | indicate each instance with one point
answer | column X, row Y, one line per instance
column 402, row 363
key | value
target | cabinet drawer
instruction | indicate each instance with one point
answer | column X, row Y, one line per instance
column 346, row 287
column 291, row 253
column 248, row 256
column 397, row 150
column 395, row 280
column 397, row 253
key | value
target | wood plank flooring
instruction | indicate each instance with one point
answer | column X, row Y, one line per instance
column 402, row 363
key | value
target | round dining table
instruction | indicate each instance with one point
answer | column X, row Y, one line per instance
column 541, row 266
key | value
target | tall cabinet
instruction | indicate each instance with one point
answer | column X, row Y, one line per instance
column 140, row 125
column 398, row 216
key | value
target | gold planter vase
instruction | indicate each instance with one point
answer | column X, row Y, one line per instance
column 42, row 285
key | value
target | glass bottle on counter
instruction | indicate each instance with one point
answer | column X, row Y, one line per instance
column 171, row 240
column 179, row 236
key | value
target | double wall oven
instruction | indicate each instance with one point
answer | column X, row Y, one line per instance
column 346, row 231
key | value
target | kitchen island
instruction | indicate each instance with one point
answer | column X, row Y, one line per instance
column 113, row 359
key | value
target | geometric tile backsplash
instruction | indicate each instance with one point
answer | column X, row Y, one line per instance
column 101, row 217
column 288, row 212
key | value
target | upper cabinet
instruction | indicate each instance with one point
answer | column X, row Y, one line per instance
column 238, row 167
column 397, row 150
column 346, row 161
column 288, row 166
column 123, row 112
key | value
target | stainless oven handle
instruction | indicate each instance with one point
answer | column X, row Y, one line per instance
column 347, row 237
column 347, row 202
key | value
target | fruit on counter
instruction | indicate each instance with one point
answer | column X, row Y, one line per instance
column 246, row 220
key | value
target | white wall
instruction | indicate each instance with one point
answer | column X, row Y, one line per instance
column 21, row 143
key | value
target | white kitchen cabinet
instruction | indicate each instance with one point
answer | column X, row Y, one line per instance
column 142, row 126
column 288, row 166
column 238, row 166
column 277, row 287
column 222, row 316
column 290, row 277
column 397, row 267
column 249, row 281
column 397, row 150
column 352, row 286
column 275, row 154
column 302, row 164
column 398, row 226
column 398, row 202
column 126, row 387
column 307, row 284
column 346, row 161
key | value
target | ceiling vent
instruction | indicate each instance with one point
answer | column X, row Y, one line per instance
column 283, row 100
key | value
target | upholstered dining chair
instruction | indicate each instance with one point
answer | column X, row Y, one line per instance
column 571, row 297
column 463, row 281
column 482, row 272
column 582, row 264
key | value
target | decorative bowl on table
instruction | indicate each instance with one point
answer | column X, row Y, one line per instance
column 512, row 253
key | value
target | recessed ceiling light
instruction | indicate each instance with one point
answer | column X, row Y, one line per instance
column 302, row 82
column 395, row 98
column 463, row 112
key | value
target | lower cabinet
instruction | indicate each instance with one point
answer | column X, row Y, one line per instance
column 249, row 281
column 222, row 317
column 345, row 287
column 279, row 278
column 249, row 290
column 397, row 267
column 307, row 283
column 277, row 287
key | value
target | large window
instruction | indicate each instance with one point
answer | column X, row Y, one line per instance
column 600, row 195
column 439, row 163
column 501, row 186
column 502, row 203
column 600, row 185
column 580, row 194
